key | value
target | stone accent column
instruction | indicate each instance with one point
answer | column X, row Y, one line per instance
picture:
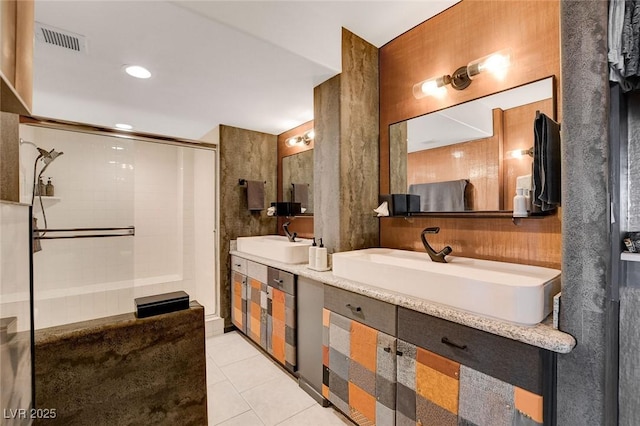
column 586, row 260
column 244, row 154
column 346, row 160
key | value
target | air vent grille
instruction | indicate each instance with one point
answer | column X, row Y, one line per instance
column 56, row 37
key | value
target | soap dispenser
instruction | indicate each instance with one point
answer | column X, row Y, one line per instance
column 41, row 190
column 49, row 188
column 321, row 257
column 312, row 254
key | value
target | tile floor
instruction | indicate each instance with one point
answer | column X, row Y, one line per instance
column 246, row 388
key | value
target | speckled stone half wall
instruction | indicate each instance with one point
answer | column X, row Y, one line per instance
column 244, row 154
column 122, row 370
column 359, row 140
column 586, row 260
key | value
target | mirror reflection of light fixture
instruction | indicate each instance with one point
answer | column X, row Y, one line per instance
column 496, row 63
column 520, row 153
column 304, row 139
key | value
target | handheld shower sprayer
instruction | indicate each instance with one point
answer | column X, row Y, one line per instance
column 47, row 158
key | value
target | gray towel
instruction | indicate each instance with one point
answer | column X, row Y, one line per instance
column 255, row 194
column 301, row 194
column 546, row 163
column 441, row 196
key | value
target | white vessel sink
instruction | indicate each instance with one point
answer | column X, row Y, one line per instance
column 276, row 247
column 512, row 292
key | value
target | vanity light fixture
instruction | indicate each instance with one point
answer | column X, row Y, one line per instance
column 520, row 153
column 303, row 139
column 137, row 71
column 495, row 63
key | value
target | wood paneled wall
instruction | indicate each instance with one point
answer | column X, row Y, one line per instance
column 303, row 225
column 469, row 30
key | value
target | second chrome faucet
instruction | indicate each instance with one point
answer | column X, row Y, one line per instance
column 436, row 256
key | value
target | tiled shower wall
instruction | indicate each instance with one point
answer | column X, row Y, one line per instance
column 111, row 182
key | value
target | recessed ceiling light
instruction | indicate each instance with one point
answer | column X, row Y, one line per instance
column 123, row 126
column 137, row 71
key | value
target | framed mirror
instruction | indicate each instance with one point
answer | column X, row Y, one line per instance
column 467, row 158
column 297, row 179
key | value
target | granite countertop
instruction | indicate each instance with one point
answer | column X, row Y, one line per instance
column 542, row 335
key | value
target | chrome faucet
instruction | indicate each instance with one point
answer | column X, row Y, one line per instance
column 435, row 256
column 290, row 236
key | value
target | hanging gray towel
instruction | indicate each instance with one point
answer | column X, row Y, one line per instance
column 546, row 163
column 255, row 194
column 301, row 194
column 441, row 196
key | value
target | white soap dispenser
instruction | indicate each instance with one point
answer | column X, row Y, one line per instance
column 313, row 248
column 520, row 204
column 321, row 257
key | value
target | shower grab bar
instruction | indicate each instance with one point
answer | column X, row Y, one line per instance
column 131, row 231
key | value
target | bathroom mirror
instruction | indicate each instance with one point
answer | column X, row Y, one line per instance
column 297, row 179
column 478, row 148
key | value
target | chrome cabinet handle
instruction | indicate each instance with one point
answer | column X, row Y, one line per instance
column 277, row 281
column 354, row 308
column 455, row 345
column 238, row 264
column 387, row 350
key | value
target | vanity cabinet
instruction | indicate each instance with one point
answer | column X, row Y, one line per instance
column 461, row 375
column 359, row 359
column 263, row 307
column 423, row 370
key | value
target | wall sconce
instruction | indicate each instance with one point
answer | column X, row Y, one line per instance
column 495, row 63
column 304, row 139
column 520, row 153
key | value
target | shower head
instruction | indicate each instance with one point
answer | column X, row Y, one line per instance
column 48, row 158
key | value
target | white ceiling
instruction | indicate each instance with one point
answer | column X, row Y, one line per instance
column 249, row 64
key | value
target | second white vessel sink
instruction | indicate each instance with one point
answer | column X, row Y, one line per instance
column 276, row 247
column 512, row 292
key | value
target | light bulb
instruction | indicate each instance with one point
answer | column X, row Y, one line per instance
column 432, row 87
column 496, row 63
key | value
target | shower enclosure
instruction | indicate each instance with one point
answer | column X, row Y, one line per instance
column 129, row 217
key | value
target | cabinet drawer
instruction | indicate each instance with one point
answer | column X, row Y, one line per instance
column 238, row 264
column 374, row 313
column 257, row 271
column 511, row 361
column 281, row 280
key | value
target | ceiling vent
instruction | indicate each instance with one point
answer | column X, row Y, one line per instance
column 53, row 36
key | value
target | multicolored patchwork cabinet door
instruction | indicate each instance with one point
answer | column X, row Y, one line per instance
column 359, row 370
column 281, row 327
column 239, row 301
column 428, row 388
column 257, row 311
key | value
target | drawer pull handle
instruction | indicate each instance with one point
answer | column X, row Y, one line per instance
column 238, row 264
column 455, row 345
column 399, row 353
column 354, row 308
column 387, row 350
column 277, row 281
